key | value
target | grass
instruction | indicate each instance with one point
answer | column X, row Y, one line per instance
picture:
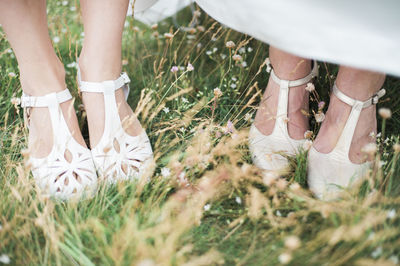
column 206, row 203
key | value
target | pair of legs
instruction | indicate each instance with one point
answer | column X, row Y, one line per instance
column 358, row 84
column 41, row 71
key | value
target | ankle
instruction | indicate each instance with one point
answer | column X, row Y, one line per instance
column 42, row 78
column 95, row 68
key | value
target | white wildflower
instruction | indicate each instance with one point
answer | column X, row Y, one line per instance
column 244, row 64
column 233, row 86
column 72, row 8
column 165, row 172
column 184, row 100
column 208, row 52
column 166, row 110
column 12, row 75
column 377, row 252
column 72, row 65
column 308, row 134
column 217, row 92
column 319, row 117
column 238, row 200
column 285, row 258
column 249, row 49
column 168, row 35
column 64, row 3
column 292, row 242
column 247, row 117
column 310, row 87
column 242, row 50
column 215, row 49
column 190, row 67
column 237, row 58
column 5, row 259
column 207, row 207
column 391, row 214
column 223, row 56
column 385, row 113
column 230, row 44
column 56, row 39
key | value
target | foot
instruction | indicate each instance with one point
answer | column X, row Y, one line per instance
column 332, row 127
column 40, row 141
column 94, row 105
column 298, row 104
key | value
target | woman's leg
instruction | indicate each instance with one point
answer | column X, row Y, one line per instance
column 289, row 67
column 100, row 60
column 360, row 85
column 41, row 71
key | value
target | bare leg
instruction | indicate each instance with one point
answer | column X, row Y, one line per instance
column 41, row 71
column 290, row 67
column 360, row 85
column 100, row 60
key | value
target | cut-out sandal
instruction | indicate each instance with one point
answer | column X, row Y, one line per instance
column 266, row 150
column 68, row 171
column 329, row 173
column 118, row 156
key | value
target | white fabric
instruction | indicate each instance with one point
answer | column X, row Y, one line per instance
column 360, row 33
column 158, row 11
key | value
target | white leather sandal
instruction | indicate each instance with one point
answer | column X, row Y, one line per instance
column 117, row 156
column 58, row 175
column 266, row 150
column 329, row 173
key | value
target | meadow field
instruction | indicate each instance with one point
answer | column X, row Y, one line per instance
column 205, row 203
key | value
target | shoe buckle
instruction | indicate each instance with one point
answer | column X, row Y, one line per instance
column 375, row 99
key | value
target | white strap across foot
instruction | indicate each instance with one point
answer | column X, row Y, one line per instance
column 267, row 150
column 329, row 173
column 117, row 156
column 68, row 171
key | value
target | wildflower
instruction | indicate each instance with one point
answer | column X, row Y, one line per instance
column 292, row 242
column 394, row 259
column 136, row 29
column 244, row 64
column 72, row 65
column 310, row 87
column 12, row 75
column 308, row 134
column 56, row 39
column 233, row 86
column 9, row 50
column 278, row 213
column 201, row 28
column 230, row 44
column 370, row 148
column 72, row 8
column 5, row 259
column 307, row 145
column 247, row 117
column 319, row 117
column 168, row 35
column 207, row 207
column 230, row 128
column 166, row 110
column 174, row 69
column 242, row 50
column 237, row 58
column 295, row 186
column 182, row 177
column 199, row 45
column 192, row 30
column 217, row 92
column 82, row 34
column 249, row 49
column 208, row 52
column 396, row 147
column 215, row 49
column 197, row 13
column 64, row 3
column 15, row 101
column 269, row 178
column 165, row 172
column 184, row 100
column 234, row 78
column 321, row 105
column 190, row 67
column 154, row 26
column 238, row 200
column 377, row 252
column 391, row 214
column 385, row 113
column 285, row 258
column 223, row 56
column 63, row 30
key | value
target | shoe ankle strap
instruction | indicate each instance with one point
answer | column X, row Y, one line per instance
column 352, row 102
column 46, row 100
column 106, row 87
column 293, row 83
